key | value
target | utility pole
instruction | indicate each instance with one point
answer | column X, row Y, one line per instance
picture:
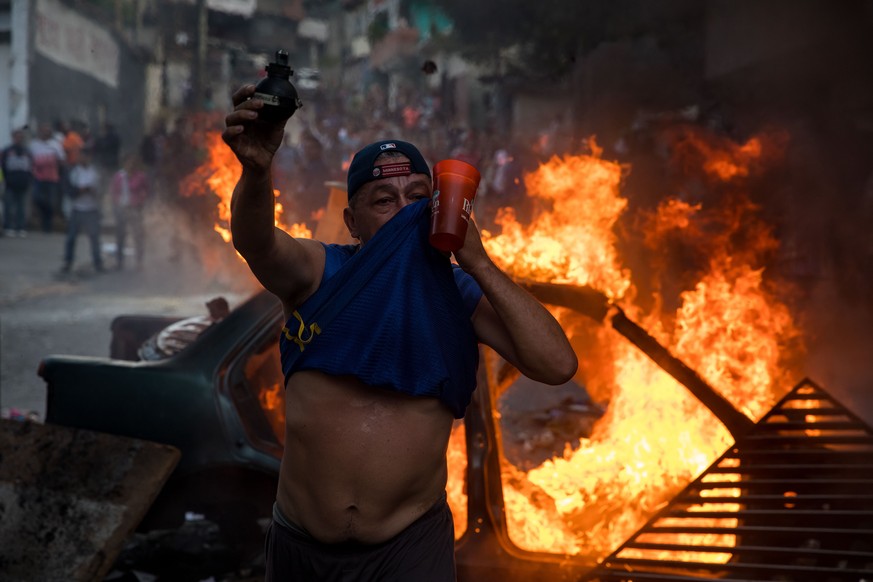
column 199, row 68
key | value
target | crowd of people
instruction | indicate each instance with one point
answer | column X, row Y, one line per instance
column 61, row 178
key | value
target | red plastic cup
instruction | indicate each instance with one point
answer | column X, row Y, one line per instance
column 454, row 188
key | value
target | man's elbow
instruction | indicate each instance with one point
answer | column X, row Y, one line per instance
column 249, row 246
column 565, row 368
column 245, row 250
column 239, row 245
column 559, row 369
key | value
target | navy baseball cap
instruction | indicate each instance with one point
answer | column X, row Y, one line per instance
column 363, row 170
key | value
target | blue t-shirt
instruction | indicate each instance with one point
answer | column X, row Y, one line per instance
column 335, row 256
column 407, row 328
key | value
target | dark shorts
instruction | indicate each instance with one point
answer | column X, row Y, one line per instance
column 423, row 552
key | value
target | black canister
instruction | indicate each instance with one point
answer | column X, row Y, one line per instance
column 276, row 91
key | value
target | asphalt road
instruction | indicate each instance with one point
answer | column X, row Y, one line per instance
column 43, row 312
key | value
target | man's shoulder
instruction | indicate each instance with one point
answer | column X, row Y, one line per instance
column 340, row 252
column 335, row 256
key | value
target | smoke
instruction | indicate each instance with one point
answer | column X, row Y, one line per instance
column 184, row 250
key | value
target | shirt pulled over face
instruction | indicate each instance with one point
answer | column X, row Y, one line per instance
column 406, row 327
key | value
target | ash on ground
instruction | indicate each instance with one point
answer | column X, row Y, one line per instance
column 538, row 422
column 193, row 552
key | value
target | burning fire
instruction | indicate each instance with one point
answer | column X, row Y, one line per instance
column 546, row 250
column 721, row 158
column 221, row 172
column 730, row 326
column 456, row 459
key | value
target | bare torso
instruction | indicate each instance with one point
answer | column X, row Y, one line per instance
column 360, row 463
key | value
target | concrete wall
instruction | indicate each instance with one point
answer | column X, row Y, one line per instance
column 59, row 91
column 5, row 70
column 14, row 43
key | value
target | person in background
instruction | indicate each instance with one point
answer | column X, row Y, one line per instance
column 130, row 190
column 506, row 187
column 105, row 146
column 310, row 172
column 48, row 158
column 70, row 138
column 16, row 164
column 107, row 150
column 73, row 142
column 468, row 148
column 84, row 211
column 283, row 171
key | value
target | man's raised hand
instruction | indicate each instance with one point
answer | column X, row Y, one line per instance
column 253, row 142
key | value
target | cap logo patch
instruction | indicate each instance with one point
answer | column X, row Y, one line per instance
column 388, row 146
column 389, row 170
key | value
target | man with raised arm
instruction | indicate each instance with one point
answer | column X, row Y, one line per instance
column 379, row 351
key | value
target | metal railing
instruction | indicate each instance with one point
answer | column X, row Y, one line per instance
column 792, row 500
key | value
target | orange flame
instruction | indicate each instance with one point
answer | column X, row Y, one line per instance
column 573, row 241
column 456, row 458
column 220, row 172
column 655, row 437
column 719, row 157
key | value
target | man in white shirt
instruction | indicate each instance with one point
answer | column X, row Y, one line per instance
column 85, row 211
column 48, row 157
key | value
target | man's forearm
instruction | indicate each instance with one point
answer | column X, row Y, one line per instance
column 252, row 209
column 541, row 348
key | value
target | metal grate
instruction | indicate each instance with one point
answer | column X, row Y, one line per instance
column 792, row 500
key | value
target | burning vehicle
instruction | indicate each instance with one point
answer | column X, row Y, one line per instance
column 645, row 490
